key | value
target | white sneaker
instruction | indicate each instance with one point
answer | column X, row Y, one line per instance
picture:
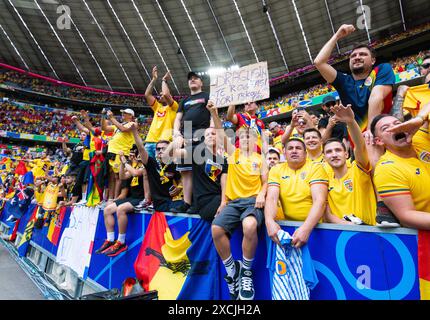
column 83, row 202
column 11, row 218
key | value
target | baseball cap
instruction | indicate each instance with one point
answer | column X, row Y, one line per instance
column 193, row 74
column 129, row 111
column 275, row 150
column 273, row 124
column 328, row 99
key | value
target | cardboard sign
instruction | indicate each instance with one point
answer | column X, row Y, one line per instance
column 247, row 84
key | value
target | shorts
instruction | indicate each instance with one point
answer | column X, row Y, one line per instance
column 187, row 163
column 114, row 161
column 235, row 212
column 83, row 172
column 167, row 205
column 133, row 201
column 209, row 208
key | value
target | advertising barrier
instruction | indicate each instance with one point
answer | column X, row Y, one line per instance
column 351, row 262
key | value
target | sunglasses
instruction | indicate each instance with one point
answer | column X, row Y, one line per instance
column 160, row 149
column 425, row 66
column 330, row 104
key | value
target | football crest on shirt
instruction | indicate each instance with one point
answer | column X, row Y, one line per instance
column 213, row 169
column 348, row 185
column 425, row 156
column 418, row 172
column 370, row 79
column 303, row 175
column 254, row 166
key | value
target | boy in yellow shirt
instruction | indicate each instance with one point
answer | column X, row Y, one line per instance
column 351, row 190
column 245, row 192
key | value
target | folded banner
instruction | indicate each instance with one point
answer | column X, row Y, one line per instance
column 28, row 232
column 292, row 273
column 76, row 243
column 56, row 224
column 185, row 268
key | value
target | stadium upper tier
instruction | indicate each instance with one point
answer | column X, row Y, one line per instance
column 23, row 119
column 19, row 120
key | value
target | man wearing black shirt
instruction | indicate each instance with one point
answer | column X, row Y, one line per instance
column 162, row 176
column 209, row 175
column 327, row 128
column 193, row 118
column 132, row 173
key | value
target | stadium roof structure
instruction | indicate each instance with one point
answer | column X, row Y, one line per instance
column 113, row 44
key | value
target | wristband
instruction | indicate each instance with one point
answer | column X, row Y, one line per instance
column 424, row 119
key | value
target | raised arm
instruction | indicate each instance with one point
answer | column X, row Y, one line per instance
column 165, row 88
column 231, row 115
column 87, row 124
column 321, row 61
column 117, row 124
column 228, row 146
column 79, row 125
column 150, row 99
column 413, row 125
column 139, row 144
column 346, row 115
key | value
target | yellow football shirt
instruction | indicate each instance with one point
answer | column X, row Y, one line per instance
column 295, row 187
column 162, row 123
column 320, row 159
column 400, row 176
column 121, row 141
column 415, row 98
column 352, row 194
column 244, row 175
column 277, row 143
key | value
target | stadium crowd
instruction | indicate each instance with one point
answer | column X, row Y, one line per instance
column 399, row 65
column 358, row 163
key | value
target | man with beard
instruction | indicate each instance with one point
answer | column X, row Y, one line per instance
column 368, row 89
column 403, row 172
column 351, row 194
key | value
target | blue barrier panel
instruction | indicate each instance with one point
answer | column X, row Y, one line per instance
column 346, row 258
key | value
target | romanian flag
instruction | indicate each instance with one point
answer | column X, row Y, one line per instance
column 95, row 185
column 424, row 263
column 21, row 168
column 55, row 225
column 183, row 268
column 28, row 232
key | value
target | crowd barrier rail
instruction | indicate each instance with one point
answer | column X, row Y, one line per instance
column 352, row 262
